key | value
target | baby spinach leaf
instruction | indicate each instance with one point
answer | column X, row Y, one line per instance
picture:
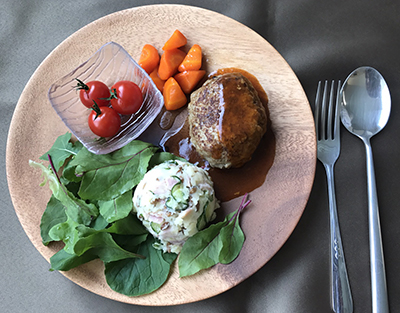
column 169, row 257
column 64, row 261
column 107, row 176
column 130, row 242
column 99, row 223
column 161, row 157
column 53, row 215
column 129, row 225
column 201, row 251
column 134, row 277
column 117, row 208
column 103, row 245
column 232, row 241
column 219, row 243
column 62, row 149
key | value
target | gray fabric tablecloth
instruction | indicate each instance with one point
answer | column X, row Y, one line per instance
column 320, row 40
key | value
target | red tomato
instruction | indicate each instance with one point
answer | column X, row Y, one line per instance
column 106, row 124
column 126, row 97
column 93, row 90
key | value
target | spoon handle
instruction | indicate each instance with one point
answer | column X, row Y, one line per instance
column 378, row 278
column 342, row 301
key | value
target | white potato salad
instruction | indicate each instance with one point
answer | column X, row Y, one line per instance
column 174, row 201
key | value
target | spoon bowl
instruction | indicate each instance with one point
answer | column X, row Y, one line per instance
column 365, row 110
column 366, row 102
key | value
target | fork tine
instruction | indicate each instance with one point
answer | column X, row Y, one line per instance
column 317, row 109
column 336, row 131
column 331, row 112
column 324, row 111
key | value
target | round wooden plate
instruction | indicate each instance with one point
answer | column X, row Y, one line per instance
column 276, row 206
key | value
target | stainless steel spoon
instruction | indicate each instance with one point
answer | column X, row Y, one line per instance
column 365, row 110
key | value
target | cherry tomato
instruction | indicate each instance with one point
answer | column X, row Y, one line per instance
column 104, row 122
column 93, row 90
column 126, row 97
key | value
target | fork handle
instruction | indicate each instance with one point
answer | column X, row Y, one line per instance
column 342, row 301
column 378, row 277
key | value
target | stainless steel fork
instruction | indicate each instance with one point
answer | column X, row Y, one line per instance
column 327, row 125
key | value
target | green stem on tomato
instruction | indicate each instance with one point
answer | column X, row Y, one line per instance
column 113, row 94
column 96, row 108
column 81, row 85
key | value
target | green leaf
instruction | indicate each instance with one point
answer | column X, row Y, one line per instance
column 64, row 261
column 103, row 245
column 232, row 241
column 99, row 223
column 135, row 277
column 130, row 242
column 77, row 209
column 73, row 187
column 117, row 208
column 107, row 176
column 69, row 173
column 53, row 215
column 219, row 243
column 129, row 225
column 161, row 157
column 61, row 150
column 67, row 233
column 201, row 251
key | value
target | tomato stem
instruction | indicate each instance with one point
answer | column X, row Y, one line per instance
column 96, row 108
column 113, row 94
column 81, row 85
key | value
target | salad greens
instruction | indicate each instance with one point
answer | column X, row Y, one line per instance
column 219, row 243
column 90, row 211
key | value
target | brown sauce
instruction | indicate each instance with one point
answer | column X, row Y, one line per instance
column 233, row 182
column 254, row 81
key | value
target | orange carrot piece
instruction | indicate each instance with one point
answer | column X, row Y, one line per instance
column 149, row 58
column 174, row 97
column 192, row 61
column 188, row 80
column 169, row 63
column 177, row 40
column 157, row 80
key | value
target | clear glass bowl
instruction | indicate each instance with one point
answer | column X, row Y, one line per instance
column 109, row 64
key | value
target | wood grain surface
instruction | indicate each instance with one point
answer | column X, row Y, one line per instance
column 276, row 206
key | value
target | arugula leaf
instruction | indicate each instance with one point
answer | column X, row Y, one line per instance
column 107, row 176
column 134, row 277
column 118, row 208
column 64, row 261
column 61, row 150
column 53, row 215
column 219, row 243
